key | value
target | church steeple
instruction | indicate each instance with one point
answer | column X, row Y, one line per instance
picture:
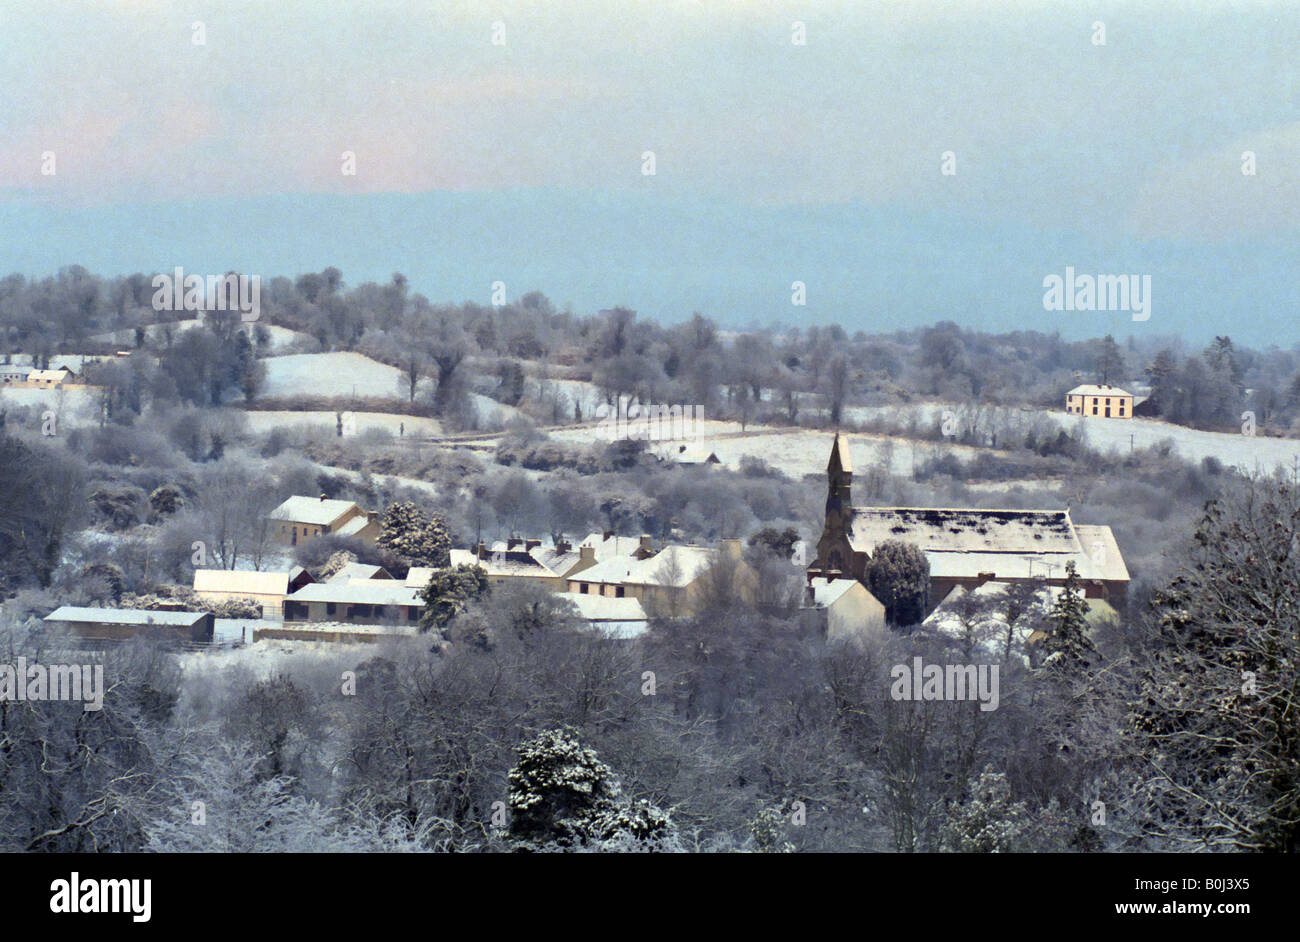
column 839, row 479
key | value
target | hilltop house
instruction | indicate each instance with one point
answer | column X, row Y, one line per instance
column 967, row 547
column 301, row 518
column 1108, row 402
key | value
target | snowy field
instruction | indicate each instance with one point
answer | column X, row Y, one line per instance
column 352, row 374
column 333, row 374
column 72, row 405
column 796, row 452
column 1234, row 450
column 355, row 423
column 280, row 337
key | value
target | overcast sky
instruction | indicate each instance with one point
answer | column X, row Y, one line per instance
column 1129, row 152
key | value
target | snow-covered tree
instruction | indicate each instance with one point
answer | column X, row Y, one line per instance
column 422, row 539
column 562, row 797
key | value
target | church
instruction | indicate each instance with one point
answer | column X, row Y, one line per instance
column 966, row 547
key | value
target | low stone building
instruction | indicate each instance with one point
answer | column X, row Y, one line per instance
column 369, row 602
column 119, row 624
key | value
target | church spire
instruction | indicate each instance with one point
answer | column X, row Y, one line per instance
column 839, row 481
column 840, row 461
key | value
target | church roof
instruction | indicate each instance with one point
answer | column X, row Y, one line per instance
column 965, row 530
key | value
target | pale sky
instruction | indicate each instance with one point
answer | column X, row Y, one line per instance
column 1137, row 140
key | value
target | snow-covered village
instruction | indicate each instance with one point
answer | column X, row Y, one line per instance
column 509, row 451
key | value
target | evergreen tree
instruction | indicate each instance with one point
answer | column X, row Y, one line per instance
column 563, row 797
column 1068, row 648
column 423, row 540
column 449, row 593
column 899, row 576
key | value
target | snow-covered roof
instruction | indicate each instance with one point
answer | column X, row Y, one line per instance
column 353, row 525
column 353, row 571
column 125, row 616
column 1088, row 389
column 48, row 376
column 601, row 608
column 607, row 547
column 689, row 562
column 516, row 562
column 558, row 563
column 828, row 592
column 965, row 530
column 241, row 581
column 358, row 592
column 314, row 510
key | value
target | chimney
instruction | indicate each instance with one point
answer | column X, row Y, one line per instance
column 982, row 578
column 513, row 542
column 481, row 550
column 608, row 534
column 644, row 549
column 810, row 597
column 586, row 554
column 322, row 497
column 832, row 574
column 532, row 544
column 563, row 547
column 813, row 574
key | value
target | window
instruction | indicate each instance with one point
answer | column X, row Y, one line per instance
column 329, row 608
column 1107, row 400
column 582, row 588
column 618, row 592
column 1108, row 412
column 1094, row 410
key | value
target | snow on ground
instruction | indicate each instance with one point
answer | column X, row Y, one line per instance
column 280, row 337
column 352, row 374
column 1233, row 449
column 72, row 405
column 332, row 374
column 570, row 391
column 360, row 422
column 266, row 658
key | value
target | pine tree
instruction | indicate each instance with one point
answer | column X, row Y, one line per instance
column 1068, row 648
